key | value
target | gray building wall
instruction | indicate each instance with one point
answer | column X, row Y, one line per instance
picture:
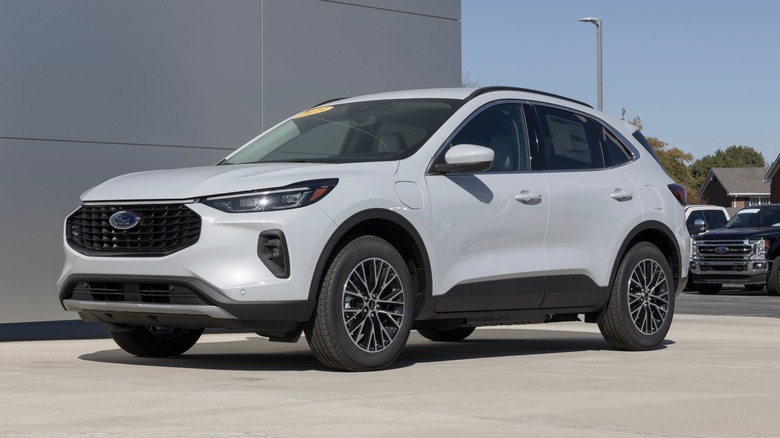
column 91, row 89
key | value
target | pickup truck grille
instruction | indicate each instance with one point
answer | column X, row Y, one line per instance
column 725, row 250
column 162, row 229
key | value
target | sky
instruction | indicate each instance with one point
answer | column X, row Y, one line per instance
column 701, row 75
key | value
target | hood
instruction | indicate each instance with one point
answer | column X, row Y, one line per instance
column 739, row 233
column 198, row 182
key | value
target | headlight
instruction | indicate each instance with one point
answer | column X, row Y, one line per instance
column 283, row 198
column 761, row 245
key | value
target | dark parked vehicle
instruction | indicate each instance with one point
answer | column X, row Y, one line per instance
column 745, row 251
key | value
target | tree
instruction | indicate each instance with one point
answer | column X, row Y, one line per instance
column 676, row 163
column 732, row 156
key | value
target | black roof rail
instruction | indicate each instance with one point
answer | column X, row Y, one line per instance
column 329, row 101
column 484, row 90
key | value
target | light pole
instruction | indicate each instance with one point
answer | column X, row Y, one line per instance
column 599, row 78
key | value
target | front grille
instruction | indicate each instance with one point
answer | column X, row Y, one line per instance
column 132, row 292
column 725, row 250
column 162, row 229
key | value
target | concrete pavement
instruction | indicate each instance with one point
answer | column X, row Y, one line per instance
column 716, row 376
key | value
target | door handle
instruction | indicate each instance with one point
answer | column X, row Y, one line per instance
column 621, row 196
column 527, row 197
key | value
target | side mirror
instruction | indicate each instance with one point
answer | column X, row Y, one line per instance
column 698, row 227
column 466, row 158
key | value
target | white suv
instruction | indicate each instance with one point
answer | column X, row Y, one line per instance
column 362, row 219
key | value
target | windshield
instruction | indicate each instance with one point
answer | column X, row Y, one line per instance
column 755, row 218
column 380, row 130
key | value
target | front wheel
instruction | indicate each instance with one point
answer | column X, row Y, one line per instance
column 773, row 280
column 156, row 341
column 365, row 308
column 640, row 308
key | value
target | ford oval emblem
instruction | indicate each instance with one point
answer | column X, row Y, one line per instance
column 721, row 250
column 124, row 220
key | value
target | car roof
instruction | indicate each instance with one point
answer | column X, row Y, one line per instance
column 459, row 93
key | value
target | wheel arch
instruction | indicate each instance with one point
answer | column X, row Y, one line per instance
column 659, row 235
column 397, row 231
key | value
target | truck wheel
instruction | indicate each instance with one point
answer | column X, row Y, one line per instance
column 156, row 341
column 640, row 308
column 707, row 288
column 452, row 335
column 365, row 307
column 773, row 280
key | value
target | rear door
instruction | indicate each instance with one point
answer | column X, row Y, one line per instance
column 591, row 202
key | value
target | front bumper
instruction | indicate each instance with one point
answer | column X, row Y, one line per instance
column 220, row 281
column 730, row 271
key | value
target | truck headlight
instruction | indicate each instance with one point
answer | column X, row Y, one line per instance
column 283, row 198
column 762, row 246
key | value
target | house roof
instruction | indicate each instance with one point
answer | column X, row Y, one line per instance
column 739, row 181
column 772, row 170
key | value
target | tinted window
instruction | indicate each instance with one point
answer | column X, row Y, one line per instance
column 697, row 214
column 501, row 128
column 569, row 142
column 715, row 219
column 614, row 151
column 643, row 141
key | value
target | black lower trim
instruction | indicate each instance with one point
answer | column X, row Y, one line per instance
column 573, row 291
column 265, row 327
column 292, row 311
column 523, row 293
column 506, row 294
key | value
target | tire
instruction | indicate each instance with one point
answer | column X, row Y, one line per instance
column 641, row 305
column 156, row 341
column 365, row 308
column 452, row 335
column 773, row 280
column 708, row 289
column 754, row 287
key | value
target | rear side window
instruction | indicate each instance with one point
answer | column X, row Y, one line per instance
column 569, row 141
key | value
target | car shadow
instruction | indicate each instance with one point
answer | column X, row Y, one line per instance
column 258, row 354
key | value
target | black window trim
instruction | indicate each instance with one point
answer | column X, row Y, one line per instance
column 634, row 153
column 533, row 146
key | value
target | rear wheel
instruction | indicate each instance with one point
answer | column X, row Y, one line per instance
column 639, row 312
column 708, row 289
column 773, row 280
column 364, row 311
column 156, row 341
column 452, row 335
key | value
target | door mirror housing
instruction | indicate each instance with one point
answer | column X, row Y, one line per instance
column 698, row 227
column 466, row 158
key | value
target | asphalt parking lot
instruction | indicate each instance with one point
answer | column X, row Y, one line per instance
column 715, row 376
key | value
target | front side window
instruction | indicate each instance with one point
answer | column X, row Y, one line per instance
column 569, row 141
column 356, row 132
column 501, row 128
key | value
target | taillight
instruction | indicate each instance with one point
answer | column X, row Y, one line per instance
column 680, row 193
